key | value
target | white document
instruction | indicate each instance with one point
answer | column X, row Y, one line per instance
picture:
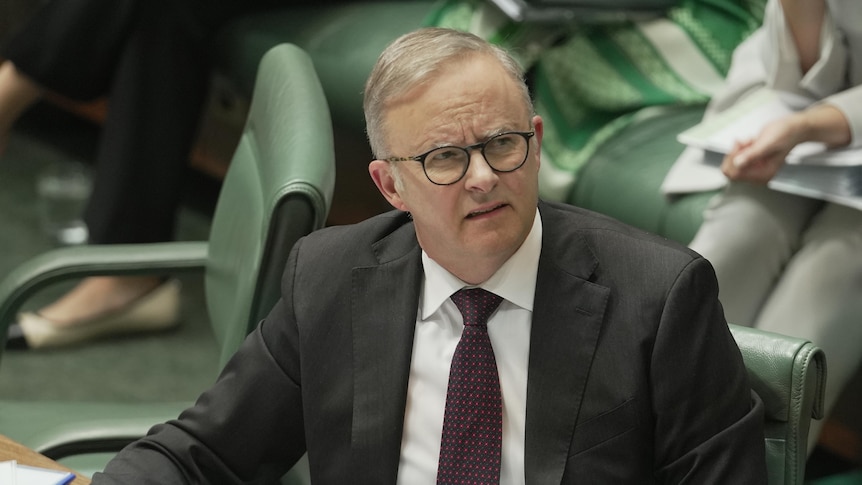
column 811, row 170
column 690, row 174
column 746, row 119
column 12, row 473
column 7, row 472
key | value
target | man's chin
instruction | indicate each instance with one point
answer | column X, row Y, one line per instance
column 495, row 244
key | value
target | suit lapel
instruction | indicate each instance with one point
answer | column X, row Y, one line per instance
column 567, row 319
column 384, row 302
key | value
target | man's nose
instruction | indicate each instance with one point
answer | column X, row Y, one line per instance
column 480, row 175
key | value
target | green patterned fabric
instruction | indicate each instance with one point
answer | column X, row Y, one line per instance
column 591, row 80
column 524, row 42
column 593, row 85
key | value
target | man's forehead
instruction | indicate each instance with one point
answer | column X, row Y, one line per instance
column 456, row 110
column 417, row 137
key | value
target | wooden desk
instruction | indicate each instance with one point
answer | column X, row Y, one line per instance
column 10, row 450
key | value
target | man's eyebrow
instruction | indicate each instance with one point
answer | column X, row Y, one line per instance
column 507, row 128
column 499, row 130
column 485, row 137
column 492, row 133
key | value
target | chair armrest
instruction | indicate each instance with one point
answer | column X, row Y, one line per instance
column 777, row 366
column 81, row 261
column 59, row 429
column 789, row 375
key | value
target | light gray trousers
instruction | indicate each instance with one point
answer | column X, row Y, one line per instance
column 791, row 265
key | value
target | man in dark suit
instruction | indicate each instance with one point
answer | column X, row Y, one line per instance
column 613, row 362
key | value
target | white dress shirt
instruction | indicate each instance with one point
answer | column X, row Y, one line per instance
column 438, row 328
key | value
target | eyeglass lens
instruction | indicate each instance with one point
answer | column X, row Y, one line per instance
column 504, row 153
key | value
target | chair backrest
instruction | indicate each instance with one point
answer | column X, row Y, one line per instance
column 278, row 188
column 789, row 374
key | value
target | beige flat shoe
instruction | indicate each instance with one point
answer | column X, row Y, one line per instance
column 157, row 310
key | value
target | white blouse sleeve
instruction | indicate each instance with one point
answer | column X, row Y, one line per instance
column 835, row 78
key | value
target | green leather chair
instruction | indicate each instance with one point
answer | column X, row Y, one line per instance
column 278, row 188
column 789, row 374
column 623, row 178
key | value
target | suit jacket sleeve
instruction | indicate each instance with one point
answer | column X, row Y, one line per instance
column 708, row 423
column 247, row 428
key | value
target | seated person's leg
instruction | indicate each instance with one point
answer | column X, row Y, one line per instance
column 17, row 93
column 748, row 234
column 819, row 297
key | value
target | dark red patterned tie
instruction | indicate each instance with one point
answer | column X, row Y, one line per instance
column 473, row 422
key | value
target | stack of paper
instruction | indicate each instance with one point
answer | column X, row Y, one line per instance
column 12, row 473
column 810, row 170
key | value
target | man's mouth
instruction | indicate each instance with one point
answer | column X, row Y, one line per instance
column 484, row 211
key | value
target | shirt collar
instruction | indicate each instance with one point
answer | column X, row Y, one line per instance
column 515, row 281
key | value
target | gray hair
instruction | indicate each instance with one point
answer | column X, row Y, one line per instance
column 414, row 59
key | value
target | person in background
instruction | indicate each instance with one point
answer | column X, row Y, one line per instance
column 787, row 263
column 151, row 58
column 594, row 352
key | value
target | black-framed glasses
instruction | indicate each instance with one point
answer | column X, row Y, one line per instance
column 505, row 152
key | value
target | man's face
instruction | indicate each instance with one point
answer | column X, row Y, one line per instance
column 482, row 219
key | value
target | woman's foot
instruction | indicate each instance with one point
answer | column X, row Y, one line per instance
column 97, row 296
column 100, row 306
column 17, row 93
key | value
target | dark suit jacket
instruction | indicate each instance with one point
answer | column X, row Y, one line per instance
column 633, row 374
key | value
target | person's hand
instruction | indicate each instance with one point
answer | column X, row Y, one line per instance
column 757, row 160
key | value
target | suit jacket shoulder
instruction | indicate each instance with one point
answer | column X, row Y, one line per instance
column 597, row 246
column 630, row 328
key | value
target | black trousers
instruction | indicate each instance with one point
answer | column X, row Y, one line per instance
column 151, row 57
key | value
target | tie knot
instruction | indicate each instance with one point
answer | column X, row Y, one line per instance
column 476, row 305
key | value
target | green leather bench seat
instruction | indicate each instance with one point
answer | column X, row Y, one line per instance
column 624, row 177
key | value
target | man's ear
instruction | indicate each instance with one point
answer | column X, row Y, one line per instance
column 384, row 179
column 539, row 128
